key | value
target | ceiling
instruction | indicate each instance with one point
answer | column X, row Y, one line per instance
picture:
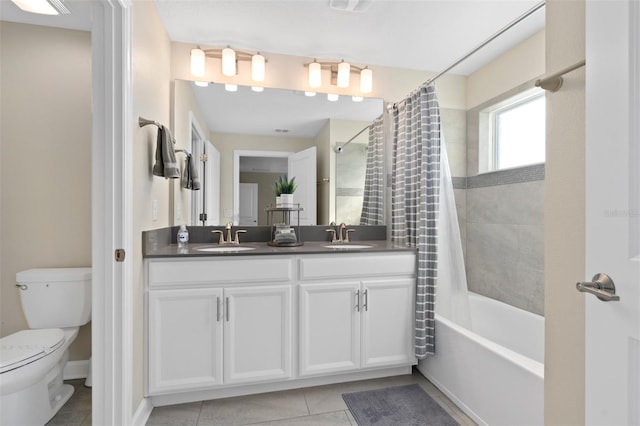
column 414, row 34
column 425, row 35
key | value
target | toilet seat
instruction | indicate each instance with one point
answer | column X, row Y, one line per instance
column 27, row 346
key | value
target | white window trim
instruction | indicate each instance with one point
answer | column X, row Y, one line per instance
column 487, row 138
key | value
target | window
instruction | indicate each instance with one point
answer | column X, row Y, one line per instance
column 514, row 132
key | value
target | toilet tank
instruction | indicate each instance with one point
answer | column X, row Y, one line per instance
column 55, row 297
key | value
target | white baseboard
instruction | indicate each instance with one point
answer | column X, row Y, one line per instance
column 142, row 413
column 76, row 370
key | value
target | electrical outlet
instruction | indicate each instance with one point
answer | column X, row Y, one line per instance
column 154, row 210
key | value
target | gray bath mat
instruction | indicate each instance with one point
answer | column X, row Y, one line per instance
column 397, row 406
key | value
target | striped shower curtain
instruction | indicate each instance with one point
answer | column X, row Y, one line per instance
column 415, row 188
column 373, row 202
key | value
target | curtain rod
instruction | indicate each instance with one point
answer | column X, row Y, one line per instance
column 489, row 40
column 339, row 148
column 553, row 83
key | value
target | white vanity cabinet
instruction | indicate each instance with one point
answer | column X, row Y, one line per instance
column 356, row 311
column 231, row 325
column 218, row 322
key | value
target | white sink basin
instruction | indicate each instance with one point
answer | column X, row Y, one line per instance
column 348, row 246
column 223, row 249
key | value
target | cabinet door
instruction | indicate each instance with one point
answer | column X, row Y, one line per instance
column 257, row 333
column 388, row 322
column 329, row 327
column 184, row 339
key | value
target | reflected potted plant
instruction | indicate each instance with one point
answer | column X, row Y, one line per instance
column 284, row 191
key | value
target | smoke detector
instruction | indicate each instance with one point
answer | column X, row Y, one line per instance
column 350, row 5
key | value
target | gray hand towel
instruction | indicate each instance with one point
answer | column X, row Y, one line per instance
column 166, row 165
column 190, row 178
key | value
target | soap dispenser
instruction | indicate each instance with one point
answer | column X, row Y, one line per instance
column 183, row 236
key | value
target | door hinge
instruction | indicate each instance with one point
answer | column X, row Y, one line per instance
column 203, row 216
column 204, row 158
column 120, row 254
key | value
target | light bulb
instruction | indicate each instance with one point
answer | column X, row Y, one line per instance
column 197, row 62
column 202, row 83
column 257, row 88
column 357, row 98
column 257, row 67
column 309, row 93
column 228, row 62
column 332, row 97
column 231, row 87
column 366, row 81
column 315, row 75
column 344, row 69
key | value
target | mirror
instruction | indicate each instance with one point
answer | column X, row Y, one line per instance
column 254, row 134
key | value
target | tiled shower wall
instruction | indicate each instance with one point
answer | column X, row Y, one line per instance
column 501, row 219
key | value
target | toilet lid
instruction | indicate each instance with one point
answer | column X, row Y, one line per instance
column 27, row 346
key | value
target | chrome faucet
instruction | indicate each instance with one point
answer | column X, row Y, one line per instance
column 229, row 240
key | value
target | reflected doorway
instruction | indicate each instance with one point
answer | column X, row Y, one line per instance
column 263, row 168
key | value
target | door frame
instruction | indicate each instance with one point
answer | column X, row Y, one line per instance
column 236, row 173
column 111, row 211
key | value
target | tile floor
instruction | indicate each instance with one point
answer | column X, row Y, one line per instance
column 77, row 411
column 315, row 406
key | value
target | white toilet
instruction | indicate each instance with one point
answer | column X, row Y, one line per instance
column 56, row 302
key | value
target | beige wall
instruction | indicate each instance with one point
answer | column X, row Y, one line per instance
column 522, row 63
column 183, row 105
column 564, row 218
column 45, row 160
column 151, row 99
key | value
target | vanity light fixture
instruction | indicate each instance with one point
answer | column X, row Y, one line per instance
column 357, row 98
column 309, row 94
column 202, row 83
column 231, row 87
column 229, row 62
column 257, row 88
column 43, row 7
column 366, row 80
column 257, row 67
column 340, row 75
column 197, row 62
column 332, row 97
column 315, row 75
column 344, row 69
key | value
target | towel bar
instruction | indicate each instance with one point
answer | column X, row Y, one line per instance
column 146, row 122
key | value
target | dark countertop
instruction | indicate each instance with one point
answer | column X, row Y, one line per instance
column 262, row 248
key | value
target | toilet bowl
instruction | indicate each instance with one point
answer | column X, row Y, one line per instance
column 32, row 361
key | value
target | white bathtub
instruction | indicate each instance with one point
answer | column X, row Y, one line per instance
column 495, row 372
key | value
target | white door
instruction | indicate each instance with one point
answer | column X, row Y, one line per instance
column 387, row 322
column 248, row 204
column 257, row 333
column 185, row 339
column 302, row 166
column 329, row 327
column 613, row 210
column 211, row 184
